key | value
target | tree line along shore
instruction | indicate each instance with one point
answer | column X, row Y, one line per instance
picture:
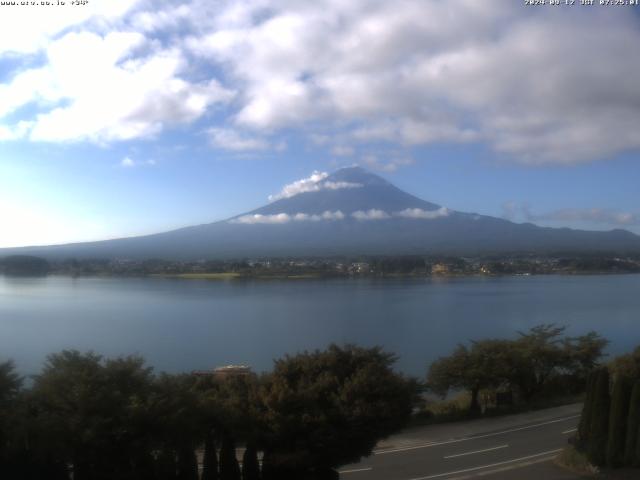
column 371, row 266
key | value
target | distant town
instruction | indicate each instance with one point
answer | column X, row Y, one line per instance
column 366, row 266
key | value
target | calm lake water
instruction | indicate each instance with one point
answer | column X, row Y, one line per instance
column 181, row 325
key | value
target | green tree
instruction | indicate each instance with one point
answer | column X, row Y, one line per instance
column 10, row 386
column 538, row 354
column 618, row 414
column 583, row 353
column 250, row 465
column 597, row 446
column 93, row 412
column 633, row 427
column 628, row 364
column 484, row 365
column 329, row 408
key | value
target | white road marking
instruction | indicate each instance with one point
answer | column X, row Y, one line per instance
column 487, row 466
column 466, row 439
column 355, row 470
column 477, row 451
column 571, row 430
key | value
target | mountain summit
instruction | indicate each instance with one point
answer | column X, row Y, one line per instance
column 349, row 212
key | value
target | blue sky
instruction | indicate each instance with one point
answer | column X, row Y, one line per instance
column 126, row 117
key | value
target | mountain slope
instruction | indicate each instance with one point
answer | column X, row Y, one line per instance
column 349, row 212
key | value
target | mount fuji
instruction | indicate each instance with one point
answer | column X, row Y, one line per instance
column 350, row 212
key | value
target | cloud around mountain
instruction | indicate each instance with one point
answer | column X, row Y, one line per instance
column 313, row 183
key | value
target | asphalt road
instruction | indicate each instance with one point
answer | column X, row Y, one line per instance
column 518, row 446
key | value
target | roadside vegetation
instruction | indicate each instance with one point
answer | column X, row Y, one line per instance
column 88, row 417
column 540, row 368
column 609, row 431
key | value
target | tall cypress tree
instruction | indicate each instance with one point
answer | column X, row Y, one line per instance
column 618, row 416
column 210, row 461
column 597, row 446
column 250, row 465
column 166, row 466
column 587, row 412
column 636, row 459
column 229, row 468
column 267, row 472
column 187, row 464
column 633, row 426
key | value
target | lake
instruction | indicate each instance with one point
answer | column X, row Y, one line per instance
column 183, row 325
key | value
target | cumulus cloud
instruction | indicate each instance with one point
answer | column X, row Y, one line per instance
column 277, row 218
column 106, row 88
column 309, row 184
column 128, row 162
column 313, row 183
column 281, row 218
column 372, row 214
column 419, row 213
column 229, row 139
column 347, row 74
column 433, row 73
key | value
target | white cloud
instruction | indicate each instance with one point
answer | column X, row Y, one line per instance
column 372, row 214
column 277, row 218
column 327, row 215
column 314, row 183
column 27, row 29
column 419, row 213
column 348, row 75
column 329, row 185
column 98, row 88
column 229, row 139
column 424, row 73
column 309, row 184
column 281, row 218
column 128, row 162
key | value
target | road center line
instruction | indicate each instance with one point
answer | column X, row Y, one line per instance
column 355, row 470
column 466, row 439
column 487, row 466
column 571, row 430
column 477, row 451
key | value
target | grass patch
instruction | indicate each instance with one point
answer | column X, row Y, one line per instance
column 576, row 461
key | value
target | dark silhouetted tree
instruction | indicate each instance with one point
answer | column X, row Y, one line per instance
column 597, row 446
column 329, row 408
column 210, row 460
column 250, row 465
column 633, row 427
column 187, row 464
column 584, row 427
column 618, row 416
column 229, row 468
column 483, row 365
